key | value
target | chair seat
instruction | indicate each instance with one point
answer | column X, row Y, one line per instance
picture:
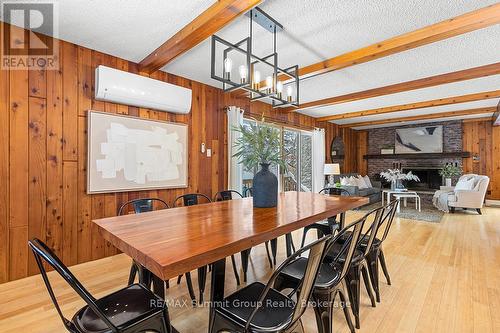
column 276, row 309
column 132, row 303
column 357, row 256
column 328, row 273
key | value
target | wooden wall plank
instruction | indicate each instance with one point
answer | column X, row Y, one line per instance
column 495, row 165
column 37, row 174
column 85, row 95
column 4, row 174
column 54, row 232
column 70, row 213
column 70, row 97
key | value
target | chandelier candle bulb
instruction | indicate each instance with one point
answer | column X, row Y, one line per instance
column 228, row 66
column 289, row 93
column 269, row 84
column 243, row 73
column 256, row 80
column 279, row 89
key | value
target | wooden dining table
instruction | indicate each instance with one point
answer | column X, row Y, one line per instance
column 170, row 242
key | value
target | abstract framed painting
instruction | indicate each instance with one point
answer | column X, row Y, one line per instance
column 419, row 140
column 131, row 154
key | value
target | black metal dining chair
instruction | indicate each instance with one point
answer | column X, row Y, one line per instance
column 330, row 225
column 128, row 310
column 227, row 195
column 141, row 206
column 331, row 279
column 359, row 267
column 192, row 199
column 261, row 308
column 376, row 254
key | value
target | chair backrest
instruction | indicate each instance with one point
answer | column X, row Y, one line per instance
column 388, row 218
column 226, row 195
column 190, row 199
column 42, row 254
column 371, row 232
column 248, row 192
column 351, row 238
column 305, row 287
column 335, row 191
column 142, row 205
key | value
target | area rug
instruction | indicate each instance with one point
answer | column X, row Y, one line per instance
column 428, row 214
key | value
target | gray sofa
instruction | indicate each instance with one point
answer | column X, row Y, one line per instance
column 374, row 193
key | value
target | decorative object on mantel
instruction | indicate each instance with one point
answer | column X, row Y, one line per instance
column 418, row 140
column 260, row 145
column 281, row 85
column 449, row 170
column 387, row 150
column 396, row 177
column 330, row 170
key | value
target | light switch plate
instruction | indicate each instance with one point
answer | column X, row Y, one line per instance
column 209, row 152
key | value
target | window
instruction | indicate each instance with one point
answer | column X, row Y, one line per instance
column 297, row 154
column 249, row 174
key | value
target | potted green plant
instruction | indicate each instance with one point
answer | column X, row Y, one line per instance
column 448, row 171
column 259, row 144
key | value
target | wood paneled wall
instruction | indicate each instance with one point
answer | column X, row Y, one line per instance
column 482, row 139
column 43, row 155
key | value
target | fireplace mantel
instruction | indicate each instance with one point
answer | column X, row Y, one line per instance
column 457, row 154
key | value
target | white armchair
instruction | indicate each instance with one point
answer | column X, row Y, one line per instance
column 473, row 198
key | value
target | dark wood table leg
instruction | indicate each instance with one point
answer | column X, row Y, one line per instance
column 217, row 288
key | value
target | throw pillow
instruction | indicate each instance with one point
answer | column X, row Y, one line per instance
column 351, row 181
column 368, row 181
column 343, row 181
column 361, row 182
column 464, row 185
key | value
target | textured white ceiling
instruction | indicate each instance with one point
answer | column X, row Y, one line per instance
column 314, row 30
column 129, row 29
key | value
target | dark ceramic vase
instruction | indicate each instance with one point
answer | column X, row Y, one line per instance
column 265, row 188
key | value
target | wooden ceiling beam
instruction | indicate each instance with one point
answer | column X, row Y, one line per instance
column 467, row 22
column 422, row 117
column 418, row 105
column 426, row 82
column 203, row 26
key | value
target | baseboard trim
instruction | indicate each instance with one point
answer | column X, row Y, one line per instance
column 492, row 203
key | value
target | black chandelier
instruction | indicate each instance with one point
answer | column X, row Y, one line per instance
column 281, row 86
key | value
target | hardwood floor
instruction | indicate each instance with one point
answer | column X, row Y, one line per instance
column 445, row 278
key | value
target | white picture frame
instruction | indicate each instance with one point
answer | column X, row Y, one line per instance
column 128, row 153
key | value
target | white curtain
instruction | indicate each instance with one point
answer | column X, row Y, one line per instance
column 235, row 169
column 318, row 154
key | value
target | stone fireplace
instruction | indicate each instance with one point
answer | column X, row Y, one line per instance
column 425, row 168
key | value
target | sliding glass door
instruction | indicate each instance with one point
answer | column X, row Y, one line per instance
column 296, row 147
column 297, row 153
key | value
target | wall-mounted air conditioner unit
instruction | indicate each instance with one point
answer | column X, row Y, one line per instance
column 117, row 86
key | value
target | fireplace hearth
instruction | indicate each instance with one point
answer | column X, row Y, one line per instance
column 429, row 178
